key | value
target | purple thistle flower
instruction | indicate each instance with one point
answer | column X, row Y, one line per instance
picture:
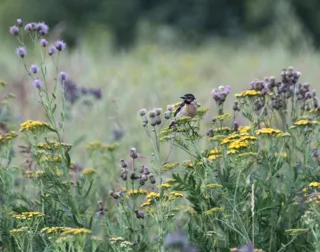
column 97, row 93
column 227, row 89
column 314, row 93
column 29, row 27
column 42, row 28
column 37, row 83
column 14, row 30
column 308, row 95
column 21, row 52
column 19, row 22
column 251, row 84
column 63, row 76
column 52, row 50
column 60, row 45
column 43, row 42
column 215, row 94
column 34, row 69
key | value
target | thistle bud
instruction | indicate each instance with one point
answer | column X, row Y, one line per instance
column 144, row 178
column 210, row 132
column 146, row 170
column 170, row 108
column 314, row 93
column 152, row 114
column 139, row 214
column 133, row 176
column 167, row 114
column 153, row 121
column 124, row 176
column 158, row 111
column 235, row 126
column 158, row 120
column 152, row 179
column 123, row 163
column 114, row 195
column 133, row 153
column 142, row 112
column 315, row 102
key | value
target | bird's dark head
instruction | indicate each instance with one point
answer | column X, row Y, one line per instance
column 188, row 98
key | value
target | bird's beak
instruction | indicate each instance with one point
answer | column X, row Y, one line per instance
column 182, row 97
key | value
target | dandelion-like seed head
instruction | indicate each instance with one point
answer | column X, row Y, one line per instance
column 14, row 30
column 37, row 83
column 34, row 69
column 60, row 45
column 21, row 52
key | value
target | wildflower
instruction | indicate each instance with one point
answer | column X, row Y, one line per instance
column 43, row 42
column 152, row 179
column 21, row 52
column 176, row 194
column 37, row 83
column 213, row 210
column 183, row 119
column 63, row 76
column 52, row 50
column 282, row 154
column 76, row 231
column 139, row 214
column 164, row 186
column 32, row 126
column 248, row 93
column 212, row 186
column 14, row 30
column 34, row 69
column 19, row 22
column 267, row 131
column 222, row 117
column 116, row 239
column 170, row 108
column 142, row 112
column 60, row 45
column 42, row 28
column 54, row 230
column 148, row 203
column 152, row 195
column 29, row 27
column 314, row 184
column 27, row 215
column 89, row 171
column 18, row 230
column 214, row 157
column 202, row 112
column 170, row 166
column 137, row 192
column 133, row 153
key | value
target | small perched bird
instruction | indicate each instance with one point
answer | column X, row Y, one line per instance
column 188, row 107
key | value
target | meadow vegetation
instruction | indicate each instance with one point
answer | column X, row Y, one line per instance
column 89, row 162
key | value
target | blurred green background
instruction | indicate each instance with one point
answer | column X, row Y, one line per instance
column 147, row 53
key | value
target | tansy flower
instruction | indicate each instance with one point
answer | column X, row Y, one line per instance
column 268, row 131
column 33, row 126
column 314, row 184
column 213, row 210
column 244, row 129
column 222, row 117
column 76, row 231
column 89, row 171
column 176, row 194
column 164, row 186
column 248, row 93
column 137, row 192
column 212, row 186
column 170, row 166
column 152, row 195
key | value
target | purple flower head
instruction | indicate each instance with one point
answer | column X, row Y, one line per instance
column 227, row 89
column 63, row 76
column 314, row 93
column 215, row 94
column 52, row 50
column 251, row 84
column 265, row 91
column 34, row 69
column 14, row 30
column 97, row 93
column 60, row 45
column 29, row 27
column 308, row 95
column 21, row 52
column 99, row 213
column 43, row 42
column 42, row 28
column 19, row 22
column 37, row 83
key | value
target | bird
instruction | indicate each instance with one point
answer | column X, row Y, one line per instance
column 188, row 107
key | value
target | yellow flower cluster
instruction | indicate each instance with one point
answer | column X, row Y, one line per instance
column 27, row 215
column 314, row 184
column 212, row 186
column 248, row 93
column 202, row 112
column 282, row 154
column 244, row 129
column 137, row 192
column 164, row 186
column 222, row 117
column 8, row 137
column 268, row 131
column 215, row 151
column 304, row 122
column 237, row 144
column 76, row 231
column 45, row 157
column 153, row 195
column 213, row 210
column 18, row 230
column 97, row 145
column 89, row 171
column 54, row 230
column 296, row 231
column 53, row 145
column 183, row 120
column 170, row 166
column 33, row 126
column 36, row 174
column 237, row 250
column 223, row 130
